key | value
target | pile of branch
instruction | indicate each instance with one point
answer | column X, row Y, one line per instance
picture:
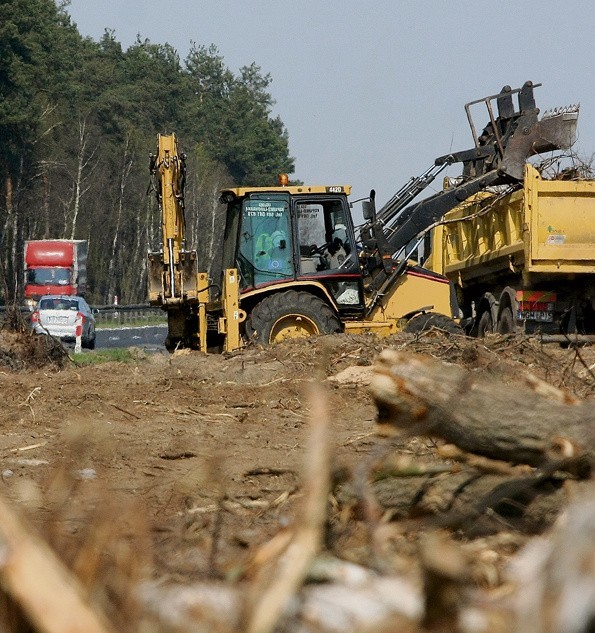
column 503, row 457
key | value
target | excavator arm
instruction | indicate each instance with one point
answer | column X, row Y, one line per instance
column 172, row 270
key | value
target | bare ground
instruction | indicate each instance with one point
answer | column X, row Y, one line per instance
column 180, row 467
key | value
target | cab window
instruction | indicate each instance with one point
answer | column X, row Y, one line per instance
column 324, row 244
column 326, row 249
column 265, row 249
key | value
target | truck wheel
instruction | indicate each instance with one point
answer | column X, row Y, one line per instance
column 429, row 320
column 485, row 325
column 506, row 324
column 290, row 314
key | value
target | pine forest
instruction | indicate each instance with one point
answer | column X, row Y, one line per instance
column 78, row 120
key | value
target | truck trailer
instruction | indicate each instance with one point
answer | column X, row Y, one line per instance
column 54, row 267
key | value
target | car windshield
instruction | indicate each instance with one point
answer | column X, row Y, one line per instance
column 58, row 304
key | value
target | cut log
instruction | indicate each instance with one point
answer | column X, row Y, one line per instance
column 473, row 504
column 530, row 423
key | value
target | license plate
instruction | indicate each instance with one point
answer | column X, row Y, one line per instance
column 536, row 315
column 58, row 320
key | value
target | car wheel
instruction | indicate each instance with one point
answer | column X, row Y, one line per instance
column 89, row 343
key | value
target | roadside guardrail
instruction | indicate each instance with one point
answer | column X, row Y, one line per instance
column 117, row 315
column 130, row 315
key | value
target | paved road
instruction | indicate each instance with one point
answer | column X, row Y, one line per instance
column 151, row 337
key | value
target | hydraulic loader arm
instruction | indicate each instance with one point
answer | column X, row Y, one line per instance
column 417, row 218
column 497, row 158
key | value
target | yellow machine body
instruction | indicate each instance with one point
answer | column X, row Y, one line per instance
column 531, row 251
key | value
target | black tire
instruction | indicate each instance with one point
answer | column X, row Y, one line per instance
column 290, row 314
column 182, row 326
column 506, row 324
column 485, row 325
column 429, row 320
column 91, row 343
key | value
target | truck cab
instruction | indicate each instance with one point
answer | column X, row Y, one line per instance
column 54, row 267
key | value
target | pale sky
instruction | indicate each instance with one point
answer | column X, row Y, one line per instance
column 372, row 92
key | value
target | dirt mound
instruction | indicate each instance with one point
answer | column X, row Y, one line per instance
column 25, row 350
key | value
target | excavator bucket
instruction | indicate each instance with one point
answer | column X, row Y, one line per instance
column 172, row 287
column 513, row 134
column 516, row 134
column 555, row 131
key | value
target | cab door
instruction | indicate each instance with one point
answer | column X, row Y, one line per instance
column 265, row 250
column 326, row 248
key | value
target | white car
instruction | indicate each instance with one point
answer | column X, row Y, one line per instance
column 57, row 315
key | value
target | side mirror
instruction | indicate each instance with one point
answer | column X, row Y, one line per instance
column 369, row 207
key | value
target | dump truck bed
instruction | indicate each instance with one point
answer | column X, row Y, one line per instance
column 547, row 227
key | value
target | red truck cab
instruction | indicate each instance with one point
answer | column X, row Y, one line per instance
column 55, row 267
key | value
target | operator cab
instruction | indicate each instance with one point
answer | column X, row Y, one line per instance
column 295, row 233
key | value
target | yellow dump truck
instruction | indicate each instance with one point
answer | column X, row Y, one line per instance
column 523, row 259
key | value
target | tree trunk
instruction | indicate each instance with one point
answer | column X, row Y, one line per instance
column 83, row 162
column 530, row 423
column 46, row 200
column 113, row 282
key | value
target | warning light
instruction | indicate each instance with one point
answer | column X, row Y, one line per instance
column 283, row 180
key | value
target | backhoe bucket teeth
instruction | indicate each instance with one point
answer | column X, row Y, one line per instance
column 555, row 131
